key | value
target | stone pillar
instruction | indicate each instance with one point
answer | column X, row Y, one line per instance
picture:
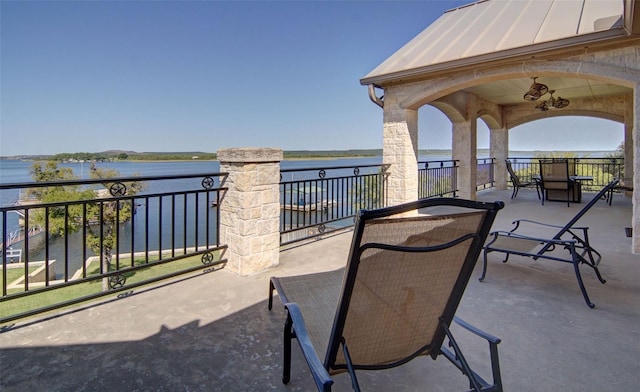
column 628, row 152
column 400, row 151
column 499, row 150
column 628, row 142
column 465, row 142
column 635, row 163
column 250, row 209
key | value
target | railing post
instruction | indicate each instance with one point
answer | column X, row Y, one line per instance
column 250, row 209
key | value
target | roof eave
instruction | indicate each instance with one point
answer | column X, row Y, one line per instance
column 529, row 52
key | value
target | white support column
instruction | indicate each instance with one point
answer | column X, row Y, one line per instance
column 499, row 149
column 400, row 151
column 250, row 209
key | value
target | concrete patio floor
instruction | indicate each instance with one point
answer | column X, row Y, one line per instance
column 213, row 332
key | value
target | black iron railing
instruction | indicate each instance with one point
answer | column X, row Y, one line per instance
column 602, row 170
column 437, row 178
column 316, row 201
column 110, row 241
column 485, row 174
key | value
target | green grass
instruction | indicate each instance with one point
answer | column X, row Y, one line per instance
column 51, row 297
column 14, row 274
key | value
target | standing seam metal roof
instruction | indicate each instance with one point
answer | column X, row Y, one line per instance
column 497, row 26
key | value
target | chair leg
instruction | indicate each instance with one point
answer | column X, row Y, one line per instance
column 288, row 335
column 484, row 268
column 581, row 284
column 352, row 372
column 271, row 288
column 600, row 278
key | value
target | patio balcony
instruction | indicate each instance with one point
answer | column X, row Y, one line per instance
column 212, row 331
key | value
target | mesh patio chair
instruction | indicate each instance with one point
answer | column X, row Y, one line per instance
column 517, row 183
column 397, row 296
column 574, row 239
column 555, row 180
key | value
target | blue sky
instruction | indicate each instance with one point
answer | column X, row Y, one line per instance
column 203, row 75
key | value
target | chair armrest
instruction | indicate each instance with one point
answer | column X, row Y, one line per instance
column 511, row 234
column 456, row 357
column 477, row 331
column 320, row 374
column 517, row 223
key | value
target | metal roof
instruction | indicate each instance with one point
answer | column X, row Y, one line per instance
column 490, row 30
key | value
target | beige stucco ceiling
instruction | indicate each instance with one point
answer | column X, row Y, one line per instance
column 511, row 91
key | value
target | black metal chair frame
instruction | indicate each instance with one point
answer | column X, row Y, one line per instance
column 295, row 325
column 546, row 180
column 623, row 186
column 517, row 184
column 580, row 251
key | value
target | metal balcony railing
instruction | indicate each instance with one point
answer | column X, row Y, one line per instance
column 485, row 173
column 603, row 170
column 437, row 178
column 316, row 201
column 119, row 234
column 108, row 236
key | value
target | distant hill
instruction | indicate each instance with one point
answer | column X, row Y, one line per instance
column 112, row 155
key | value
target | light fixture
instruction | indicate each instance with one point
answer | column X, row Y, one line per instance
column 537, row 90
column 552, row 102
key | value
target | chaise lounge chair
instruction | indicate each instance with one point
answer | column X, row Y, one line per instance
column 572, row 238
column 397, row 296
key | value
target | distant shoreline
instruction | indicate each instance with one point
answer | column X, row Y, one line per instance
column 297, row 155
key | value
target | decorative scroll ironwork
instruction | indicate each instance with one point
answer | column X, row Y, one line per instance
column 118, row 189
column 208, row 182
column 207, row 258
column 322, row 228
column 117, row 281
column 356, row 171
column 322, row 173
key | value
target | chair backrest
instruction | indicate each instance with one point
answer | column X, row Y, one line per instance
column 580, row 214
column 405, row 275
column 515, row 180
column 601, row 194
column 554, row 173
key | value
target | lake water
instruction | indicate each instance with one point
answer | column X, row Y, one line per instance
column 16, row 171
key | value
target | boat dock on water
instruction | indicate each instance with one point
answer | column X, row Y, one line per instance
column 306, row 199
column 14, row 242
column 322, row 205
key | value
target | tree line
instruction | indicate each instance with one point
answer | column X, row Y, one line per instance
column 131, row 156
